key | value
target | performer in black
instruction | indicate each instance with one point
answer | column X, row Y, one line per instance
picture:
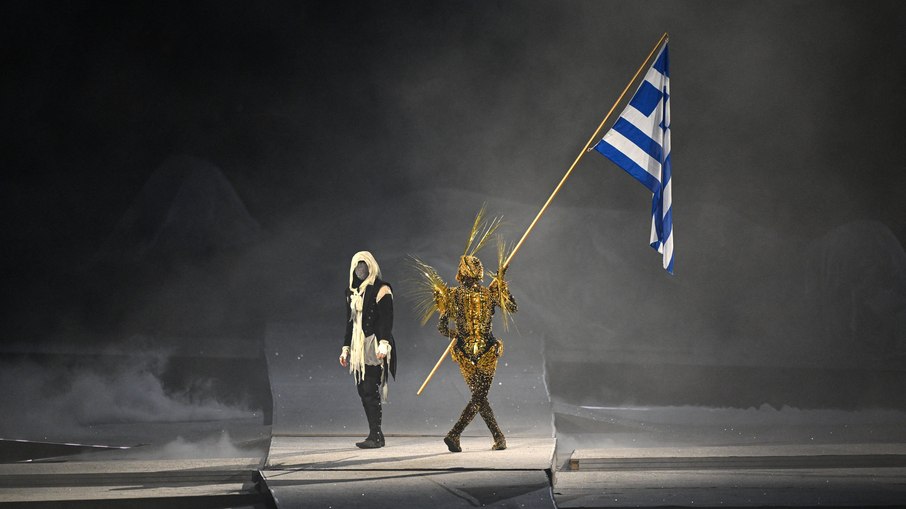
column 368, row 348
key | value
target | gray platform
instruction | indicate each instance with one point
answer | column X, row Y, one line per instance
column 408, row 453
column 411, row 471
column 410, row 488
column 742, row 476
column 148, row 480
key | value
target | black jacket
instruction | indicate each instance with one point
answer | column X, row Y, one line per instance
column 377, row 319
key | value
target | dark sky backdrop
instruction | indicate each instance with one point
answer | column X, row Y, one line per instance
column 788, row 116
column 313, row 96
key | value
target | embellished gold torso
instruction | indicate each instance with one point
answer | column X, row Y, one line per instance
column 472, row 310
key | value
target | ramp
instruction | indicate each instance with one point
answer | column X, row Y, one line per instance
column 318, row 471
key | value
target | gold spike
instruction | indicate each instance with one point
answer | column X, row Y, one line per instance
column 477, row 225
column 487, row 231
column 429, row 290
column 502, row 254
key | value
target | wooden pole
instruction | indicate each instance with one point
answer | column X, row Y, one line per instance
column 439, row 361
column 585, row 149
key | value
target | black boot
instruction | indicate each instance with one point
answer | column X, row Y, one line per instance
column 488, row 415
column 378, row 434
column 452, row 441
column 452, row 438
column 379, row 438
column 499, row 442
column 372, row 442
column 375, row 439
column 369, row 390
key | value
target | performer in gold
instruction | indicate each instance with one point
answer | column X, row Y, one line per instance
column 471, row 306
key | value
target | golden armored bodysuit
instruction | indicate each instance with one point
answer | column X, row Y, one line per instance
column 471, row 307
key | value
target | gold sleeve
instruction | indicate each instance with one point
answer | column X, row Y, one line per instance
column 500, row 293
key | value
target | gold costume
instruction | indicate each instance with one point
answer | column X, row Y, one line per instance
column 471, row 307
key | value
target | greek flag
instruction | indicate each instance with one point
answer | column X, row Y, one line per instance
column 639, row 142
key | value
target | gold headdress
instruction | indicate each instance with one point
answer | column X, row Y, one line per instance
column 470, row 267
column 431, row 291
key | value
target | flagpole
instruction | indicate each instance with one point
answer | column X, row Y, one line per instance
column 439, row 361
column 585, row 149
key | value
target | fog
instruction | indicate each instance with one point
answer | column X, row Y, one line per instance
column 56, row 400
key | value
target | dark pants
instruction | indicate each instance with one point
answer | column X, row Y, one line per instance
column 370, row 392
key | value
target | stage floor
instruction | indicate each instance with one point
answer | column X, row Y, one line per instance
column 211, row 482
column 794, row 475
column 418, row 471
column 410, row 471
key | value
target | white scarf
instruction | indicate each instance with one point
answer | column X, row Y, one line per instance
column 356, row 304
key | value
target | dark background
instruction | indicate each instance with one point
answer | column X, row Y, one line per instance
column 176, row 176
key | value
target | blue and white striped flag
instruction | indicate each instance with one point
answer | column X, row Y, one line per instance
column 639, row 142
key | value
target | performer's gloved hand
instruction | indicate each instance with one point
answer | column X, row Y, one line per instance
column 343, row 356
column 383, row 349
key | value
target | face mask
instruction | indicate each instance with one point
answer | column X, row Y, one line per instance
column 361, row 271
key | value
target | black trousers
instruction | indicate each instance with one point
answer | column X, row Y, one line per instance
column 370, row 392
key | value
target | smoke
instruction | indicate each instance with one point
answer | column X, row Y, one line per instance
column 40, row 399
column 211, row 447
column 659, row 426
column 215, row 445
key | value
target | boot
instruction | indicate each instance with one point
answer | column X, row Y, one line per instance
column 452, row 438
column 378, row 433
column 375, row 439
column 488, row 415
column 452, row 442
